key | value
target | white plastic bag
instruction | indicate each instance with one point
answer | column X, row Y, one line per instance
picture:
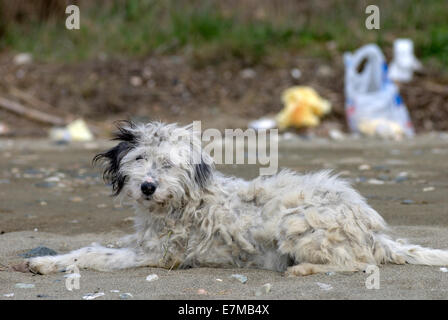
column 373, row 104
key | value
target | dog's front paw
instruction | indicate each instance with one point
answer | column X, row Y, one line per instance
column 42, row 265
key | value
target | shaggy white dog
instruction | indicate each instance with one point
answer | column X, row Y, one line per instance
column 189, row 215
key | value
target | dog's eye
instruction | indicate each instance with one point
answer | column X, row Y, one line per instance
column 139, row 158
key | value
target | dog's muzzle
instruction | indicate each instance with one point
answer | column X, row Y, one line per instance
column 148, row 188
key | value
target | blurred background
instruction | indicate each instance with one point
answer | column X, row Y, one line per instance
column 223, row 62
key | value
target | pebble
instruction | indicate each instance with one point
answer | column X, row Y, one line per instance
column 296, row 73
column 39, row 252
column 248, row 73
column 428, row 189
column 324, row 286
column 336, row 135
column 219, row 280
column 443, row 269
column 202, row 291
column 264, row 289
column 8, row 295
column 76, row 199
column 25, row 285
column 46, row 184
column 241, row 278
column 375, row 181
column 152, row 277
column 330, row 273
column 136, row 81
column 364, row 167
column 91, row 296
column 115, row 291
column 401, row 179
column 407, row 201
column 43, row 296
column 53, row 179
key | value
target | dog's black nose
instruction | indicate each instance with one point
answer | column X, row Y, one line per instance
column 148, row 188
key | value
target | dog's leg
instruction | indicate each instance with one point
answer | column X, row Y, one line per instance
column 94, row 257
column 306, row 269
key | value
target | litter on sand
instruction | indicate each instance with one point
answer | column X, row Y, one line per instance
column 324, row 286
column 264, row 289
column 152, row 277
column 74, row 131
column 373, row 104
column 303, row 107
column 241, row 278
column 91, row 296
column 25, row 285
column 126, row 295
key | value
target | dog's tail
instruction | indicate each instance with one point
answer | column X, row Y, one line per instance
column 397, row 251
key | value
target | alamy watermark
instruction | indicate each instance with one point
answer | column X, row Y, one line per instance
column 72, row 277
column 73, row 21
column 373, row 20
column 373, row 280
column 236, row 147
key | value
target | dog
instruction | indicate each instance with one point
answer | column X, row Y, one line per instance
column 190, row 215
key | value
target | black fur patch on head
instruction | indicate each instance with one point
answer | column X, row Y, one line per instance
column 113, row 157
column 123, row 133
column 203, row 172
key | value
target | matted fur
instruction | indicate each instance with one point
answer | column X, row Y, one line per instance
column 197, row 217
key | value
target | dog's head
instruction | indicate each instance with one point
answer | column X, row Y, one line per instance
column 156, row 164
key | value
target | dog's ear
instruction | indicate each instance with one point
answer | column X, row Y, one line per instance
column 112, row 158
column 203, row 173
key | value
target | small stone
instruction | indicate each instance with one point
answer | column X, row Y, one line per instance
column 152, row 277
column 401, row 179
column 428, row 189
column 383, row 177
column 364, row 167
column 264, row 289
column 38, row 252
column 330, row 273
column 407, row 201
column 43, row 203
column 42, row 296
column 443, row 269
column 219, row 280
column 23, row 58
column 115, row 291
column 25, row 285
column 53, row 179
column 324, row 286
column 336, row 135
column 45, row 184
column 8, row 295
column 101, row 205
column 76, row 199
column 136, row 81
column 375, row 181
column 241, row 278
column 248, row 73
column 296, row 73
column 202, row 291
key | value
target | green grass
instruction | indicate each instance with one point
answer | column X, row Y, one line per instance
column 201, row 28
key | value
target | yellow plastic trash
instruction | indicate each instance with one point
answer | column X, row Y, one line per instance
column 303, row 107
